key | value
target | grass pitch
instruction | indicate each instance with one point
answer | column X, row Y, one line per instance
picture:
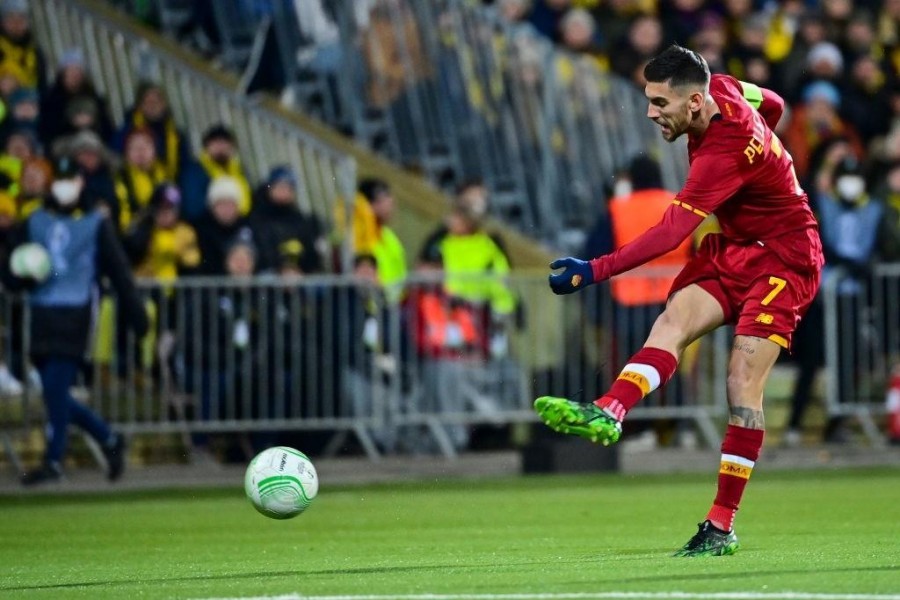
column 805, row 536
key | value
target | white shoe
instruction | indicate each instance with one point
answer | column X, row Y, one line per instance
column 792, row 438
column 34, row 381
column 9, row 385
column 642, row 442
column 687, row 440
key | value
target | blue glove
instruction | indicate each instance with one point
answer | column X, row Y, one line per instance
column 576, row 275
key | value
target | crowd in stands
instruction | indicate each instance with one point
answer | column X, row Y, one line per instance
column 180, row 211
column 194, row 211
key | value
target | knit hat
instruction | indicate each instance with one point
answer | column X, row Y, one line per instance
column 828, row 52
column 24, row 95
column 822, row 90
column 281, row 173
column 13, row 7
column 85, row 140
column 73, row 57
column 165, row 194
column 223, row 188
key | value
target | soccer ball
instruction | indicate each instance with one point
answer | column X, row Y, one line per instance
column 30, row 260
column 281, row 482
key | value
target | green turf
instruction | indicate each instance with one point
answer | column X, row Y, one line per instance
column 818, row 532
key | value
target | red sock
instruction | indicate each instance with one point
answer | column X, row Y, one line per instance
column 647, row 370
column 740, row 449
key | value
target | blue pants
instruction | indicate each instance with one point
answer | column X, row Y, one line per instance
column 58, row 374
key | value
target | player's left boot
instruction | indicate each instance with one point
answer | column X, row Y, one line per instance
column 710, row 541
column 585, row 420
column 115, row 457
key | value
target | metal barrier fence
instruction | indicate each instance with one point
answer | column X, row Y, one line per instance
column 862, row 342
column 118, row 59
column 332, row 353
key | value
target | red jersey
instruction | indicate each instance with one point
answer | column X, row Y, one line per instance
column 740, row 172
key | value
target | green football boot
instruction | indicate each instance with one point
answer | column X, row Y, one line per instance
column 710, row 541
column 584, row 420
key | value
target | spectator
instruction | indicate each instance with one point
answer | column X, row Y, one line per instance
column 442, row 326
column 814, row 123
column 824, row 62
column 21, row 144
column 37, row 175
column 849, row 222
column 72, row 103
column 290, row 240
column 222, row 225
column 159, row 243
column 681, row 19
column 546, row 16
column 866, row 102
column 475, row 262
column 811, row 31
column 151, row 112
column 23, row 112
column 644, row 39
column 514, row 12
column 363, row 225
column 578, row 33
column 711, row 40
column 11, row 351
column 97, row 165
column 228, row 318
column 389, row 253
column 20, row 56
column 860, row 38
column 837, row 14
column 889, row 190
column 394, row 53
column 82, row 247
column 138, row 176
column 219, row 157
column 749, row 43
column 638, row 203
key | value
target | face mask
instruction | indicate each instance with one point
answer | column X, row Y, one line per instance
column 850, row 187
column 66, row 191
column 622, row 188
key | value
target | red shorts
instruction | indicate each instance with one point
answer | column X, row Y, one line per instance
column 759, row 293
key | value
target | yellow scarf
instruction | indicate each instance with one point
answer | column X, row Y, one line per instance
column 171, row 158
column 134, row 188
column 19, row 61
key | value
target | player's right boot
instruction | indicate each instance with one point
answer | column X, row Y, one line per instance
column 584, row 420
column 710, row 541
column 48, row 472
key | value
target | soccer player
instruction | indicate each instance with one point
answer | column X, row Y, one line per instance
column 760, row 274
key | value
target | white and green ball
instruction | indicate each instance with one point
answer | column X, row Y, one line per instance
column 281, row 482
column 30, row 260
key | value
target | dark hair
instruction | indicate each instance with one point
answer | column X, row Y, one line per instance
column 218, row 132
column 645, row 173
column 679, row 66
column 467, row 184
column 372, row 187
column 365, row 259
